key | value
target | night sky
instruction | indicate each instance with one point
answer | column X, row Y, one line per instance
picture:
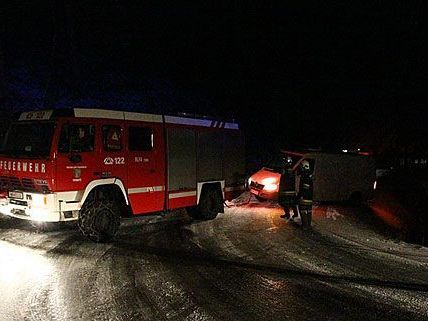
column 309, row 75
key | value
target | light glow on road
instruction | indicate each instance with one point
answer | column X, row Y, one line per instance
column 19, row 264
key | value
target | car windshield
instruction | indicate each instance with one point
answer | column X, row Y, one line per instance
column 281, row 161
column 32, row 139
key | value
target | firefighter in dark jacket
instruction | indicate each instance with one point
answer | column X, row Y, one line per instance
column 287, row 191
column 305, row 195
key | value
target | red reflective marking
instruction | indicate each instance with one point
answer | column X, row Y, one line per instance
column 387, row 216
column 180, row 202
column 146, row 202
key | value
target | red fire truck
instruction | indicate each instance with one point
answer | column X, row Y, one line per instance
column 96, row 166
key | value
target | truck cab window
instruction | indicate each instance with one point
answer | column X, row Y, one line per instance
column 76, row 138
column 29, row 139
column 140, row 139
column 112, row 138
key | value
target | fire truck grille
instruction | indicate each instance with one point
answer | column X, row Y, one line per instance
column 27, row 183
column 24, row 184
column 256, row 185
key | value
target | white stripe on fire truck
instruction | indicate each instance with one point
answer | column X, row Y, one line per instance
column 198, row 122
column 114, row 114
column 143, row 117
column 231, row 126
column 182, row 194
column 187, row 121
column 146, row 189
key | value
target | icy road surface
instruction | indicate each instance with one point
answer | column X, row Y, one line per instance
column 248, row 264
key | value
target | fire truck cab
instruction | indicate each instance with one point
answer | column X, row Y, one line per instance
column 96, row 166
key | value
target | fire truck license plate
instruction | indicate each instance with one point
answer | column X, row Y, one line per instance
column 16, row 195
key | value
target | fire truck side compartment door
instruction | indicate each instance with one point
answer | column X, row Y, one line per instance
column 210, row 156
column 146, row 167
column 181, row 167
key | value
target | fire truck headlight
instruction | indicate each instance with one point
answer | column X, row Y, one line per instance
column 39, row 201
column 270, row 187
column 249, row 181
column 374, row 185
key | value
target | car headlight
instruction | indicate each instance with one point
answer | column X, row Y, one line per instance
column 269, row 181
column 270, row 187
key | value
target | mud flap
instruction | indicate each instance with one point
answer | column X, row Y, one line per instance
column 211, row 201
column 213, row 190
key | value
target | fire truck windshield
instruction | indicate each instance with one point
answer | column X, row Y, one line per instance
column 29, row 139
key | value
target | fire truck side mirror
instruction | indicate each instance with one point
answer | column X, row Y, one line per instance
column 75, row 158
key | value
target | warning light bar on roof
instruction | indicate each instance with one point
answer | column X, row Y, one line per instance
column 36, row 115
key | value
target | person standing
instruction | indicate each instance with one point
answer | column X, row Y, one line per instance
column 287, row 197
column 305, row 194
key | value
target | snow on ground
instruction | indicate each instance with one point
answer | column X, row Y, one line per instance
column 342, row 222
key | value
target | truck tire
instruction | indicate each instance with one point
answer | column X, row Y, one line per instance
column 193, row 212
column 99, row 220
column 306, row 216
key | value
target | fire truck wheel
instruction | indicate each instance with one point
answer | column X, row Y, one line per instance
column 193, row 212
column 99, row 220
column 208, row 204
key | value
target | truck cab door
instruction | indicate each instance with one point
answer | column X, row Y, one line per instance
column 77, row 156
column 113, row 151
column 146, row 167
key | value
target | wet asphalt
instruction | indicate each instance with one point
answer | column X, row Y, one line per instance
column 247, row 264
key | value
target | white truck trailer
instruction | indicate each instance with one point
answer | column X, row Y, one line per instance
column 336, row 176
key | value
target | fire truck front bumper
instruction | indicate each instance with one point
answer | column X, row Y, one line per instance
column 32, row 206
